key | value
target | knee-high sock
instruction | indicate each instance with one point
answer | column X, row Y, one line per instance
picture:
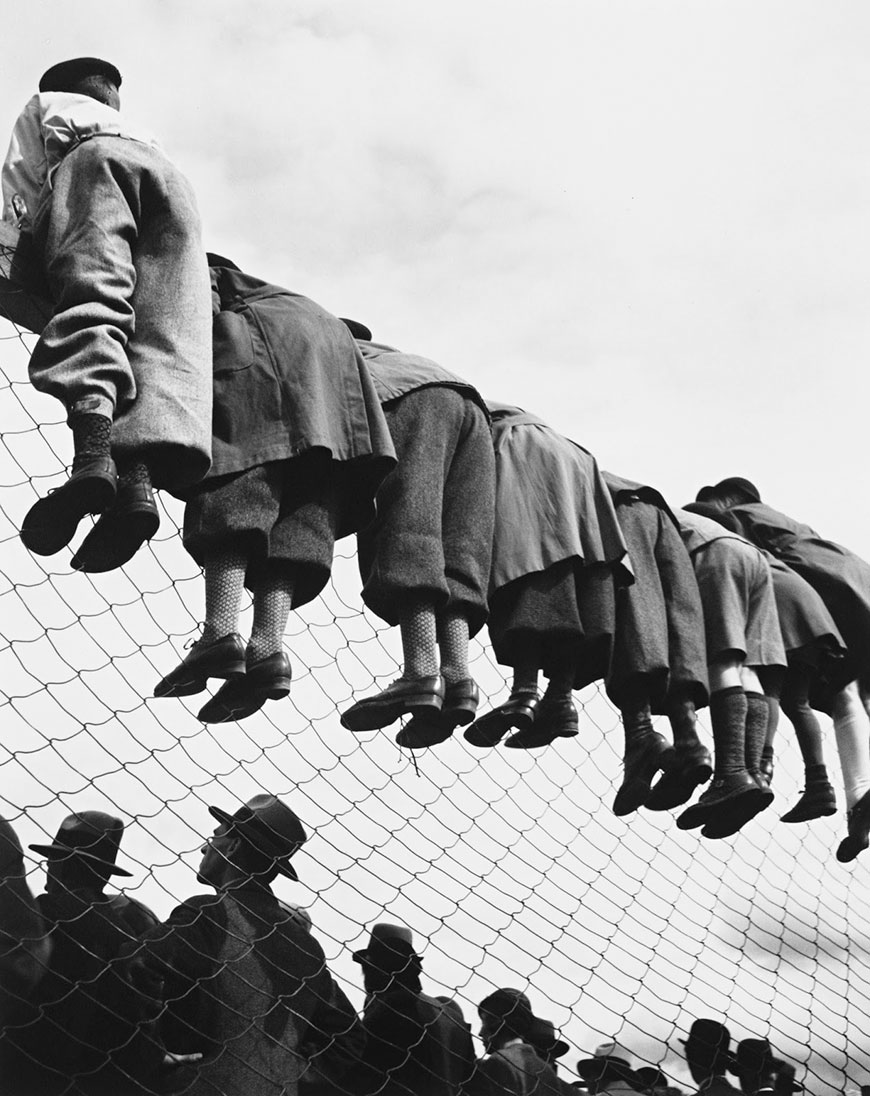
column 224, row 582
column 560, row 683
column 419, row 646
column 728, row 715
column 757, row 719
column 273, row 597
column 452, row 630
column 852, row 730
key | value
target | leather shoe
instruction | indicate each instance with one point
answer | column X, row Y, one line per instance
column 555, row 718
column 220, row 658
column 642, row 762
column 405, row 696
column 733, row 816
column 50, row 524
column 241, row 696
column 689, row 767
column 460, row 703
column 817, row 800
column 121, row 531
column 721, row 793
column 859, row 831
column 517, row 711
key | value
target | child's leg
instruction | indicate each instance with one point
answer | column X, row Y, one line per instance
column 273, row 598
column 817, row 799
column 852, row 729
column 644, row 749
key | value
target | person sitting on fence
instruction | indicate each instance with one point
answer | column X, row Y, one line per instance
column 512, row 1067
column 610, row 1070
column 300, row 447
column 842, row 580
column 88, row 1026
column 746, row 661
column 709, row 1057
column 127, row 350
column 819, row 669
column 242, row 983
column 424, row 560
column 659, row 663
column 557, row 551
column 414, row 1043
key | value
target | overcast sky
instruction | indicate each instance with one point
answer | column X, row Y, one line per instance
column 647, row 221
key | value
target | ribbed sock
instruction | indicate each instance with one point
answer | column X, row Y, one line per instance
column 419, row 645
column 273, row 598
column 452, row 630
column 757, row 718
column 526, row 674
column 92, row 436
column 728, row 716
column 224, row 582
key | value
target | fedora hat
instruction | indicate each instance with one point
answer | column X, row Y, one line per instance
column 543, row 1037
column 385, row 938
column 609, row 1059
column 513, row 1007
column 756, row 1056
column 92, row 836
column 729, row 486
column 709, row 1042
column 270, row 827
column 357, row 329
column 66, row 74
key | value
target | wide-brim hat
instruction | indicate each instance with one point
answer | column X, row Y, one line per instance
column 66, row 74
column 728, row 486
column 91, row 836
column 270, row 827
column 386, row 938
column 511, row 1006
column 213, row 259
column 708, row 1042
column 357, row 329
column 755, row 1056
column 543, row 1037
column 608, row 1060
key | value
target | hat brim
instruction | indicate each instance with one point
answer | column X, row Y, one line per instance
column 284, row 868
column 62, row 852
column 600, row 1068
column 559, row 1049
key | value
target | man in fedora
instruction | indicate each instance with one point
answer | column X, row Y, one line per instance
column 414, row 1043
column 759, row 1072
column 242, row 981
column 610, row 1070
column 709, row 1057
column 128, row 349
column 546, row 1043
column 508, row 1026
column 86, row 1024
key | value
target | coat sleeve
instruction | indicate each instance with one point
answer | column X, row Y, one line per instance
column 334, row 1041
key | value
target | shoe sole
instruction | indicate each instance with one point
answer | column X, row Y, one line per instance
column 525, row 740
column 51, row 523
column 193, row 685
column 736, row 813
column 664, row 796
column 116, row 545
column 374, row 716
column 422, row 732
column 634, row 791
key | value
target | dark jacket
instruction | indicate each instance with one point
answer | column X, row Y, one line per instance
column 246, row 986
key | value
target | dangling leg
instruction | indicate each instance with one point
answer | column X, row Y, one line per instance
column 420, row 689
column 556, row 716
column 733, row 788
column 220, row 651
column 268, row 671
column 645, row 749
column 520, row 709
column 124, row 527
column 852, row 730
column 691, row 764
column 818, row 799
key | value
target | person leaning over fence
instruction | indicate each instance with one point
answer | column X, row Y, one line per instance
column 241, row 981
column 415, row 1044
column 87, row 1026
column 819, row 669
column 659, row 663
column 512, row 1066
column 127, row 350
column 424, row 560
column 842, row 580
column 746, row 662
column 557, row 553
column 300, row 445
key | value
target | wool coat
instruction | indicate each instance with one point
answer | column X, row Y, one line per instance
column 247, row 986
column 558, row 551
column 516, row 1070
column 432, row 537
column 659, row 647
column 841, row 578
